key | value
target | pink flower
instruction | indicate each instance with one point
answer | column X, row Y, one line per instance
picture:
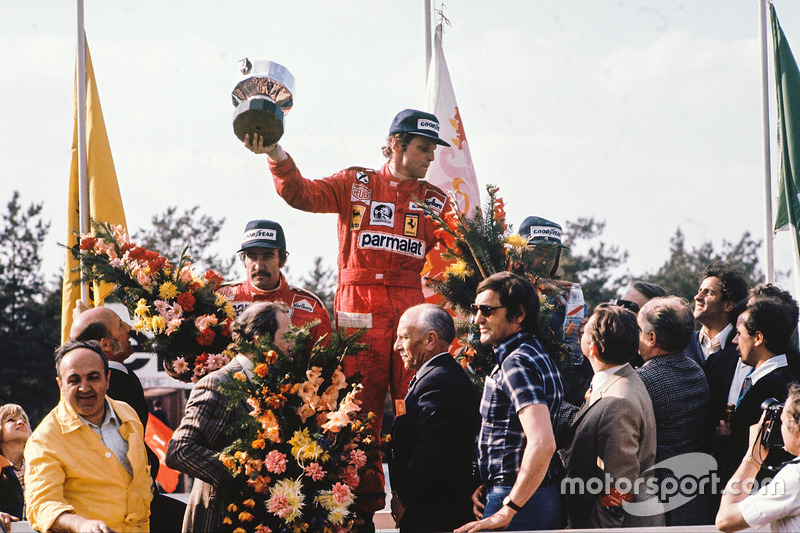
column 350, row 477
column 279, row 505
column 315, row 472
column 341, row 493
column 180, row 365
column 358, row 458
column 275, row 462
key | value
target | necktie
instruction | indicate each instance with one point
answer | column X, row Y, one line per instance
column 746, row 384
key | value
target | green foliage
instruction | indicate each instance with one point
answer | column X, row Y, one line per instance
column 680, row 273
column 30, row 311
column 596, row 269
column 170, row 234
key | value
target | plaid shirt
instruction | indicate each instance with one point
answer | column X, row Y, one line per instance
column 525, row 374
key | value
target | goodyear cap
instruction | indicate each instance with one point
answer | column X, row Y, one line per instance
column 417, row 123
column 539, row 230
column 263, row 234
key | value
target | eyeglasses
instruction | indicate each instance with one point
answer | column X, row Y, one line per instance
column 486, row 310
column 627, row 304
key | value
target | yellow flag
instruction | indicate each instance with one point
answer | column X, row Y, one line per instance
column 105, row 202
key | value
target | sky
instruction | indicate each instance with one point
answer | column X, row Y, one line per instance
column 644, row 114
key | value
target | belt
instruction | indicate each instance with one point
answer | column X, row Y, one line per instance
column 374, row 276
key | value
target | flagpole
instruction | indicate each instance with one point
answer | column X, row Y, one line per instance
column 428, row 47
column 768, row 235
column 82, row 161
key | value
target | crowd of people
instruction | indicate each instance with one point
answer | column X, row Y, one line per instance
column 663, row 403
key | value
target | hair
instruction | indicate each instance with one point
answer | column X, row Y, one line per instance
column 74, row 344
column 615, row 332
column 95, row 331
column 7, row 412
column 770, row 290
column 733, row 284
column 517, row 295
column 404, row 138
column 792, row 406
column 768, row 315
column 649, row 290
column 671, row 319
column 283, row 255
column 433, row 317
column 258, row 319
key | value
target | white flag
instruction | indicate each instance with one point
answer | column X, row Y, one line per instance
column 452, row 169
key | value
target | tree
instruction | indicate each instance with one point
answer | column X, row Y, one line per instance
column 680, row 274
column 597, row 270
column 322, row 282
column 30, row 311
column 170, row 234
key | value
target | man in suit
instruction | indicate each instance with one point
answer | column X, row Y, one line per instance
column 614, row 434
column 202, row 433
column 433, row 438
column 721, row 287
column 103, row 325
column 763, row 335
column 679, row 391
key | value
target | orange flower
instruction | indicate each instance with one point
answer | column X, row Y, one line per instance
column 259, row 444
column 271, row 357
column 232, row 508
column 261, row 370
column 249, row 503
column 240, row 376
column 244, row 516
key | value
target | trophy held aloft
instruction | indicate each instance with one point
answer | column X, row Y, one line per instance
column 262, row 97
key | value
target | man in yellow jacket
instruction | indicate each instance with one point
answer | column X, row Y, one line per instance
column 86, row 462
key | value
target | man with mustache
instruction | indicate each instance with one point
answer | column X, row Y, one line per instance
column 264, row 253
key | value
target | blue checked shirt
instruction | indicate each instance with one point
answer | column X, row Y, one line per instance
column 525, row 374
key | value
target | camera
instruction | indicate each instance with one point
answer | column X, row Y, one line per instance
column 771, row 428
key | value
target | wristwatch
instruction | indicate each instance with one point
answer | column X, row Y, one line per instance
column 508, row 502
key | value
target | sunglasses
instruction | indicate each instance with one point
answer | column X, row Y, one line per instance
column 627, row 304
column 486, row 310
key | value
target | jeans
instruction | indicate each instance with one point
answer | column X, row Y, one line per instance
column 541, row 511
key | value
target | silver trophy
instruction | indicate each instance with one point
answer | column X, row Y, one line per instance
column 262, row 97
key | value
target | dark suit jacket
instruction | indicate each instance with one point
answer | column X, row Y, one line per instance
column 694, row 352
column 127, row 388
column 773, row 385
column 679, row 391
column 433, row 446
column 194, row 445
column 617, row 431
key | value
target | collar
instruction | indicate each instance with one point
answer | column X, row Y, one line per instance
column 509, row 345
column 603, row 375
column 110, row 416
column 428, row 362
column 721, row 337
column 256, row 290
column 118, row 366
column 773, row 363
column 247, row 365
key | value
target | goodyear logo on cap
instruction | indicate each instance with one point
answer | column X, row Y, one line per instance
column 545, row 231
column 268, row 234
column 425, row 124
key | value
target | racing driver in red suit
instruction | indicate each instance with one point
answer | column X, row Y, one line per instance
column 264, row 253
column 384, row 237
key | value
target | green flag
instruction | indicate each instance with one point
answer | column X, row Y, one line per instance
column 787, row 89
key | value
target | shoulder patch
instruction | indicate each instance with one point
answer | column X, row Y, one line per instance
column 303, row 303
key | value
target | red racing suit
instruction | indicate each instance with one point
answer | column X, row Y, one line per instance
column 383, row 240
column 304, row 305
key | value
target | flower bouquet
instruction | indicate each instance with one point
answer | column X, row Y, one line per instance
column 187, row 322
column 477, row 246
column 301, row 451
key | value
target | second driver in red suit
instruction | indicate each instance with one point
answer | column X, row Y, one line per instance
column 264, row 253
column 384, row 237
